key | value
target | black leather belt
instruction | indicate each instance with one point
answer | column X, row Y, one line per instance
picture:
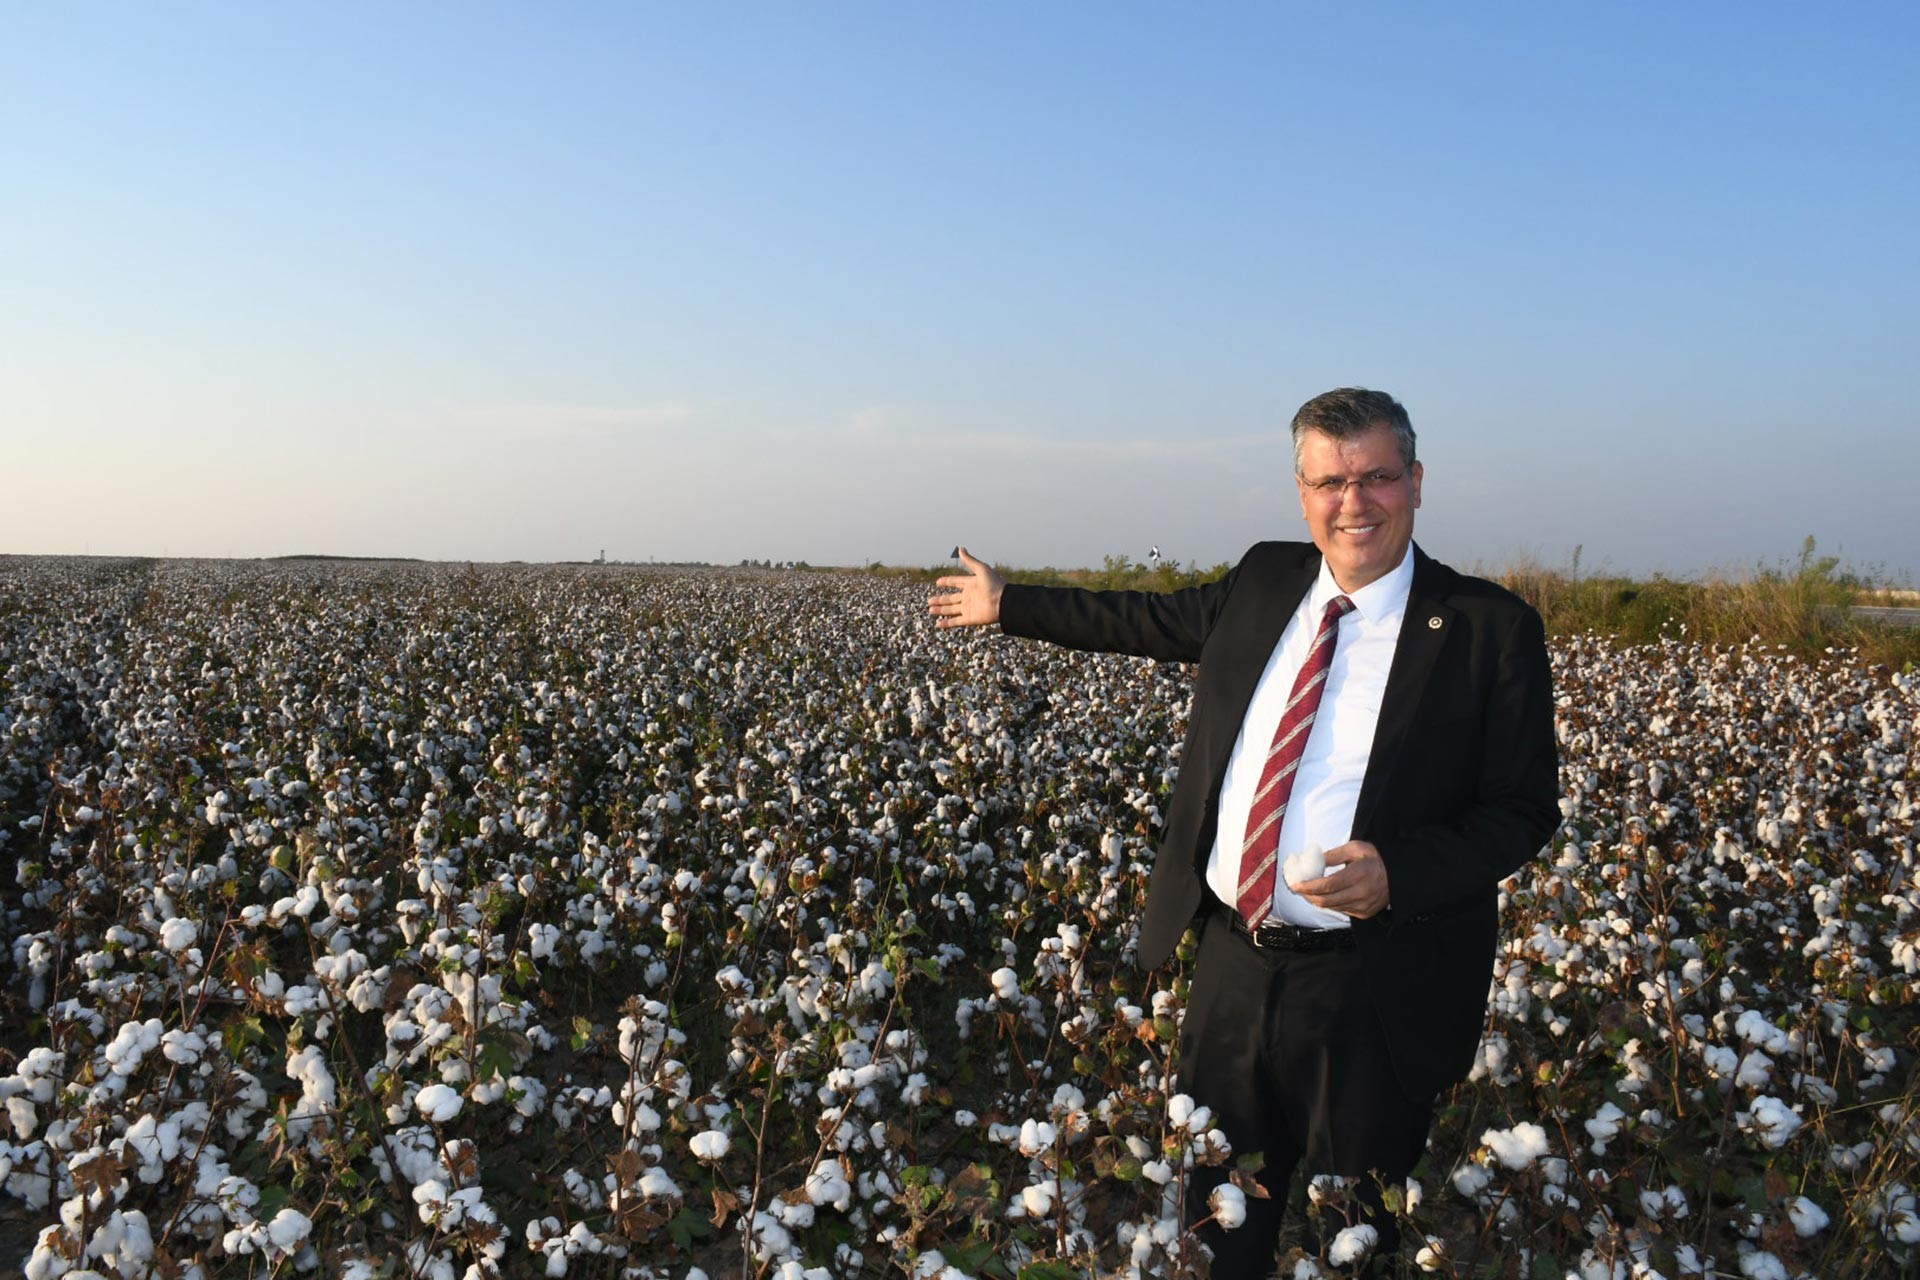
column 1279, row 936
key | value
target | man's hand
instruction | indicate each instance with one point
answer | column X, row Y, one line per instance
column 972, row 601
column 1358, row 889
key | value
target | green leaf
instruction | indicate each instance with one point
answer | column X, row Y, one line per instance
column 689, row 1225
column 1545, row 1268
column 273, row 1199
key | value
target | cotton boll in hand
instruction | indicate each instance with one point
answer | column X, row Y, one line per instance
column 1309, row 864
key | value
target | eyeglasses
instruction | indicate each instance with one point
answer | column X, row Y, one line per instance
column 1335, row 487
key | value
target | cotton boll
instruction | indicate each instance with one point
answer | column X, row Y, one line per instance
column 1309, row 864
column 1518, row 1147
column 1229, row 1205
column 1761, row 1265
column 1772, row 1121
column 1036, row 1136
column 437, row 1103
column 183, row 1047
column 1809, row 1219
column 1352, row 1244
column 1605, row 1126
column 288, row 1229
column 827, row 1184
column 1038, row 1198
column 1756, row 1069
column 178, row 934
column 655, row 1184
column 1471, row 1179
column 709, row 1145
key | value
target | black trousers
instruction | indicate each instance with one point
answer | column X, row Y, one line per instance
column 1287, row 1049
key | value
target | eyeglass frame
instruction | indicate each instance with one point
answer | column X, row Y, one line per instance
column 1335, row 488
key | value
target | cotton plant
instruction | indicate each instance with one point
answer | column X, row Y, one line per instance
column 353, row 892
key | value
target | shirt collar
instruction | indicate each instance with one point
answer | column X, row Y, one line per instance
column 1381, row 600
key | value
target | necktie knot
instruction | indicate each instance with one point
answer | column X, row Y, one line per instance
column 1337, row 608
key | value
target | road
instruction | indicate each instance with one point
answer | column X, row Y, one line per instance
column 1887, row 617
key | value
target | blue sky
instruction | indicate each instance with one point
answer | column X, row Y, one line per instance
column 851, row 282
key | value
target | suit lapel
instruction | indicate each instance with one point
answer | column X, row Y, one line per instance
column 1242, row 668
column 1423, row 634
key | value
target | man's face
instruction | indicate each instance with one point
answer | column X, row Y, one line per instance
column 1364, row 530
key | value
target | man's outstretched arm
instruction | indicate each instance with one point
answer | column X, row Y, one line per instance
column 1169, row 626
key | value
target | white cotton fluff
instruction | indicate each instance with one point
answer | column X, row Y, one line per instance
column 1761, row 1265
column 1006, row 983
column 827, row 1184
column 1753, row 1027
column 134, row 1041
column 183, row 1047
column 1229, row 1205
column 1038, row 1199
column 1470, row 1180
column 1158, row 1172
column 1352, row 1244
column 1309, row 864
column 178, row 934
column 1772, row 1121
column 655, row 1184
column 288, row 1228
column 24, row 1117
column 437, row 1103
column 156, row 1142
column 1809, row 1219
column 1036, row 1136
column 1605, row 1126
column 1517, row 1147
column 709, row 1145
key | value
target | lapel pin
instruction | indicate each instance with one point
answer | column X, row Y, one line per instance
column 1433, row 623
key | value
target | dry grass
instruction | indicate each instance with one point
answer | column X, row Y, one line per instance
column 1806, row 610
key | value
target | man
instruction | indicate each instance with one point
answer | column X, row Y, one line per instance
column 1353, row 696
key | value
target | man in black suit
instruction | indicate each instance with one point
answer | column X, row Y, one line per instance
column 1405, row 713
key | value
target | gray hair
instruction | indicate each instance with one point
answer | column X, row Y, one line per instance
column 1350, row 412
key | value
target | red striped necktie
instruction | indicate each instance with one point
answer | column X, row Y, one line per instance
column 1260, row 852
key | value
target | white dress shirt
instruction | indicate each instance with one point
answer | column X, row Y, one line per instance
column 1326, row 790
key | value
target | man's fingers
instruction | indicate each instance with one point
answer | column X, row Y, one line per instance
column 973, row 565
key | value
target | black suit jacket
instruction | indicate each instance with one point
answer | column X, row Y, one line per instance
column 1462, row 787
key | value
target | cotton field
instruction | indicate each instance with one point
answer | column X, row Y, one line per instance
column 398, row 920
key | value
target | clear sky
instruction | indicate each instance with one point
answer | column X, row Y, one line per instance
column 848, row 282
